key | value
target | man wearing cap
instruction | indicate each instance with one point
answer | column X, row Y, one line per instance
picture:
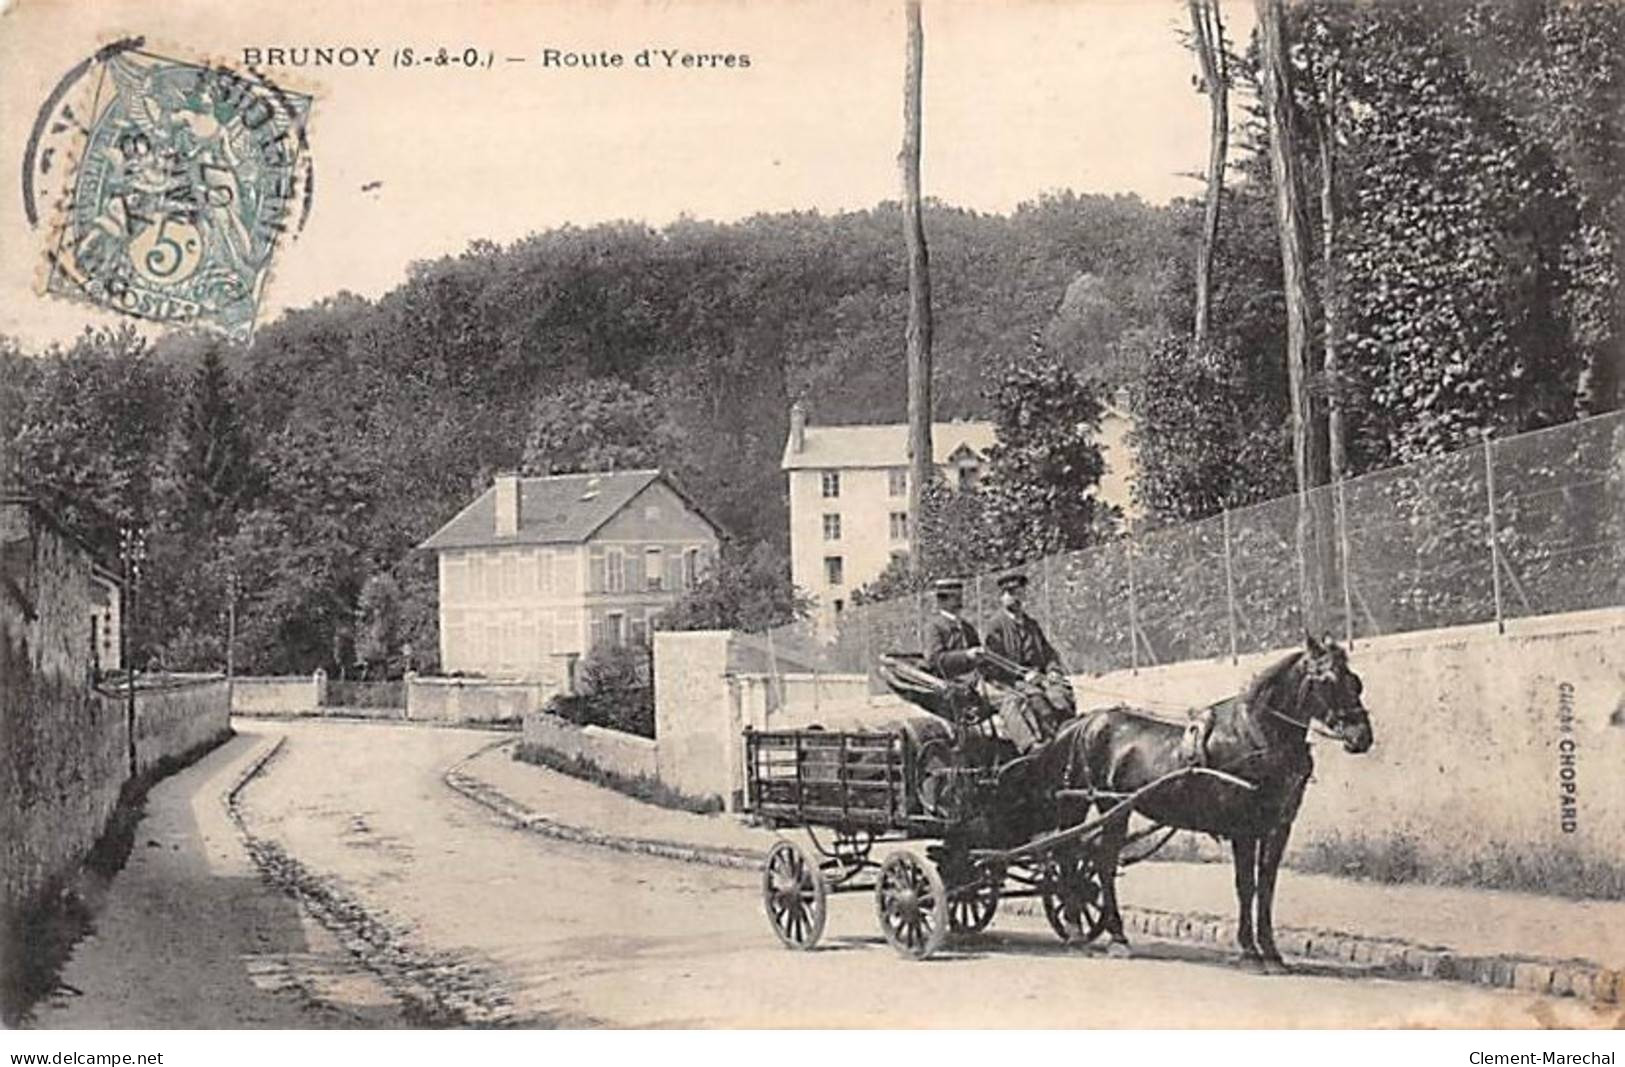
column 951, row 644
column 1041, row 697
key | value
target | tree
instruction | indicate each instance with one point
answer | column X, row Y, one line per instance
column 1045, row 465
column 600, row 425
column 747, row 590
column 1309, row 453
column 212, row 463
column 379, row 625
column 918, row 334
column 1207, row 37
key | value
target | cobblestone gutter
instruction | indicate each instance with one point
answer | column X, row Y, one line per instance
column 438, row 990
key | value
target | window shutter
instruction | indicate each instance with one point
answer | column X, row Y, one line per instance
column 674, row 570
column 595, row 632
column 634, row 568
column 595, row 571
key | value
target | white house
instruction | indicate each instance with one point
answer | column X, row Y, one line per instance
column 537, row 571
column 849, row 494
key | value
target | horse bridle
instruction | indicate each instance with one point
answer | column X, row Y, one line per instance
column 1331, row 718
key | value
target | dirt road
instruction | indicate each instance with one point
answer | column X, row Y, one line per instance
column 564, row 934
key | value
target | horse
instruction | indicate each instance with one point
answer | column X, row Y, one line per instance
column 1260, row 736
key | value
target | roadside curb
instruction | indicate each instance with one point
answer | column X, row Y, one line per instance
column 1392, row 958
column 489, row 796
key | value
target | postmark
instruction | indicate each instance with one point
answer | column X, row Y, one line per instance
column 172, row 184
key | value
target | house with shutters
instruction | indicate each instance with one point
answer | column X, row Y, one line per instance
column 535, row 572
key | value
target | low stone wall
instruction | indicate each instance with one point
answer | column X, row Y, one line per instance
column 178, row 717
column 473, row 699
column 612, row 750
column 1480, row 736
column 295, row 695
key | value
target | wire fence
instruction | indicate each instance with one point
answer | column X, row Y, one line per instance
column 1516, row 527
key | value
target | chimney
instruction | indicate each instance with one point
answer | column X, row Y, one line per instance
column 507, row 486
column 798, row 427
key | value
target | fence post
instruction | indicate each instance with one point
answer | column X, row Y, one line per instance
column 1133, row 608
column 867, row 655
column 1495, row 543
column 1049, row 594
column 1229, row 586
column 919, row 620
column 1340, row 516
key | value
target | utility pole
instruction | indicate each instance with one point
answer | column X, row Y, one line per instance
column 918, row 336
column 133, row 552
column 231, row 623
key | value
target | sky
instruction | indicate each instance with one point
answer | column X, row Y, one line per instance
column 1021, row 97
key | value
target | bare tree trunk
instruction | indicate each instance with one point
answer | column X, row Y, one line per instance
column 918, row 336
column 1331, row 295
column 1309, row 457
column 1208, row 33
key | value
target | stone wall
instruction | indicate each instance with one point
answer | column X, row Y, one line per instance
column 473, row 699
column 64, row 746
column 178, row 716
column 625, row 754
column 291, row 695
column 1479, row 735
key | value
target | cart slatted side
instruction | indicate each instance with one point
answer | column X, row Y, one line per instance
column 828, row 777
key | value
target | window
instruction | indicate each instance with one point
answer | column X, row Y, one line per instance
column 832, row 527
column 832, row 484
column 833, row 574
column 651, row 512
column 615, row 625
column 615, row 571
column 654, row 568
column 897, row 481
column 840, row 605
column 544, row 571
column 691, row 568
column 900, row 557
column 899, row 526
column 967, row 477
column 640, row 631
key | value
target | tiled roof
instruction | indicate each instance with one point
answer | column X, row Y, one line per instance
column 881, row 446
column 557, row 509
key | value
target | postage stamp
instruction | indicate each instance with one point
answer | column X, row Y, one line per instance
column 181, row 178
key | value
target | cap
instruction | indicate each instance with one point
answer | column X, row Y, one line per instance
column 1013, row 580
column 948, row 587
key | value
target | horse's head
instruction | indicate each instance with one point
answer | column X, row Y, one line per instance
column 1332, row 694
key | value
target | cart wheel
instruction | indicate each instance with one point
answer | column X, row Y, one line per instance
column 971, row 909
column 1090, row 913
column 795, row 895
column 913, row 905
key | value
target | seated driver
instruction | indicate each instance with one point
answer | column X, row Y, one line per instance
column 1041, row 697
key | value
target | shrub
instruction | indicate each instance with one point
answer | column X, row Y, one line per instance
column 611, row 669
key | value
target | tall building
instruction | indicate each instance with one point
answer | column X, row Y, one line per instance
column 849, row 494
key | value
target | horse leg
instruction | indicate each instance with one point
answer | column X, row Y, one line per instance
column 1110, row 847
column 1270, row 851
column 1244, row 853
